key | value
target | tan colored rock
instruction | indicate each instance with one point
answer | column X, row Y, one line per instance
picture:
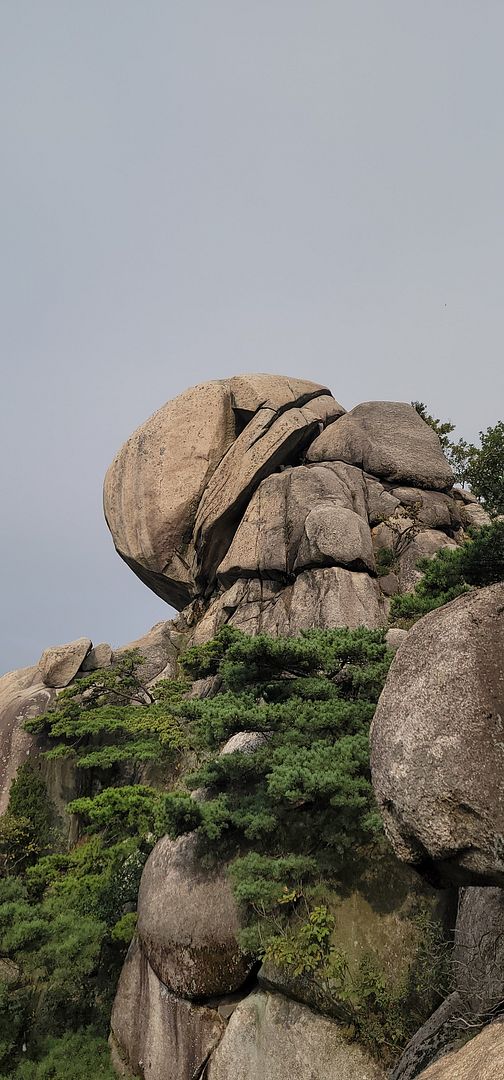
column 437, row 732
column 480, row 1059
column 424, row 544
column 153, row 487
column 59, row 664
column 188, row 922
column 22, row 697
column 100, row 656
column 387, row 439
column 154, row 1033
column 245, row 742
column 323, row 598
column 160, row 648
column 269, row 440
column 302, row 517
column 270, row 1037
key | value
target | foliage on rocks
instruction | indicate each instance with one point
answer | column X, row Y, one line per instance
column 451, row 572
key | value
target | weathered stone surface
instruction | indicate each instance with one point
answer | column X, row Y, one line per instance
column 325, row 598
column 153, row 487
column 59, row 664
column 303, row 517
column 188, row 922
column 387, row 439
column 155, row 1034
column 480, row 1059
column 381, row 504
column 270, row 1037
column 269, row 440
column 437, row 732
column 100, row 656
column 160, row 648
column 478, row 979
column 410, row 543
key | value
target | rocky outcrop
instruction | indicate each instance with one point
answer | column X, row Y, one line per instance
column 232, row 498
column 188, row 922
column 480, row 1059
column 437, row 748
column 270, row 1036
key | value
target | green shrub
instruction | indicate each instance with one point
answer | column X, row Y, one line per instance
column 477, row 562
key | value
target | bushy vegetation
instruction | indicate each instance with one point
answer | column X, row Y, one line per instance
column 480, row 467
column 451, row 572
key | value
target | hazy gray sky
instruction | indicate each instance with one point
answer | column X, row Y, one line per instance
column 197, row 188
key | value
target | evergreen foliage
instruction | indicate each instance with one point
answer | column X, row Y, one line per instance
column 486, row 469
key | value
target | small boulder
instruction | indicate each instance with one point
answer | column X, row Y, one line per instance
column 59, row 664
column 100, row 656
column 188, row 922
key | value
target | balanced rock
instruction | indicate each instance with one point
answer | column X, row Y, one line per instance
column 437, row 746
column 59, row 664
column 387, row 439
column 188, row 922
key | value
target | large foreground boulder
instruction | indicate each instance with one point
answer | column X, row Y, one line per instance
column 271, row 1038
column 188, row 922
column 437, row 741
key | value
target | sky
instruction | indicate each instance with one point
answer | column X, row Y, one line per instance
column 194, row 189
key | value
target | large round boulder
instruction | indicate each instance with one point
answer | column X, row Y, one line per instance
column 188, row 922
column 437, row 742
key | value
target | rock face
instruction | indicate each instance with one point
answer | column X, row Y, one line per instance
column 258, row 501
column 270, row 1036
column 188, row 922
column 480, row 1059
column 437, row 733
